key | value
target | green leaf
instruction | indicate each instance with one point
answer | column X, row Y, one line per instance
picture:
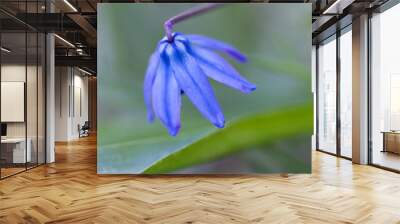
column 255, row 130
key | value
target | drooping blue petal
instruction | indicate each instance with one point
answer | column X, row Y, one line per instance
column 194, row 83
column 217, row 68
column 148, row 84
column 179, row 67
column 167, row 97
column 214, row 44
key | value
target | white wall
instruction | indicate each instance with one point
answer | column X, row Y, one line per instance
column 13, row 101
column 79, row 106
column 34, row 125
column 17, row 73
column 62, row 82
column 9, row 73
column 71, row 102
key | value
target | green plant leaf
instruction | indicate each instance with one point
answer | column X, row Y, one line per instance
column 256, row 130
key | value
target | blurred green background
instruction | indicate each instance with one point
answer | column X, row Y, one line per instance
column 266, row 131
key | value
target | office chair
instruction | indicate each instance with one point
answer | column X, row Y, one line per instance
column 84, row 130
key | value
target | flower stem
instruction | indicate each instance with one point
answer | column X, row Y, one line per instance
column 169, row 24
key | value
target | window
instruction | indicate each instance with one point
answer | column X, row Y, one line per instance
column 327, row 95
column 385, row 89
column 346, row 93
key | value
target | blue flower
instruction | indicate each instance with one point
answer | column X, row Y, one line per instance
column 181, row 66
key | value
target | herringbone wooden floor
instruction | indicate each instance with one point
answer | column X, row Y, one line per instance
column 70, row 191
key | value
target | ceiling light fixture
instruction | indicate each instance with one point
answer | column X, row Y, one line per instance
column 79, row 51
column 70, row 5
column 5, row 50
column 64, row 40
column 84, row 71
column 337, row 7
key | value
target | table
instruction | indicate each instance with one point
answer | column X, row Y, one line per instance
column 391, row 141
column 19, row 155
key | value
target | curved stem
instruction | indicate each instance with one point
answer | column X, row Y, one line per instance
column 169, row 24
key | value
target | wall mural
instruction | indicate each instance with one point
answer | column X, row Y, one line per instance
column 204, row 88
